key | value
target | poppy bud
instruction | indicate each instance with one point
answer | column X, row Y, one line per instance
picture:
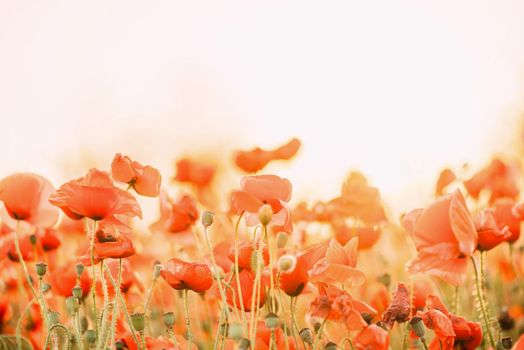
column 271, row 320
column 244, row 344
column 46, row 287
column 41, row 269
column 53, row 317
column 207, row 218
column 156, row 270
column 77, row 292
column 265, row 214
column 169, row 319
column 72, row 305
column 331, row 346
column 119, row 345
column 507, row 343
column 506, row 322
column 139, row 321
column 91, row 337
column 418, row 326
column 235, row 331
column 32, row 239
column 287, row 263
column 282, row 239
column 83, row 325
column 306, row 335
column 79, row 269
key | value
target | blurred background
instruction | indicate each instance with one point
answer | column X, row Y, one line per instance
column 398, row 89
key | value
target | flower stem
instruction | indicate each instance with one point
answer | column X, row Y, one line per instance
column 19, row 323
column 237, row 276
column 93, row 272
column 480, row 295
column 188, row 321
column 319, row 334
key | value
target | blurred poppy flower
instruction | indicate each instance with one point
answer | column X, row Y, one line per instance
column 94, row 196
column 25, row 197
column 263, row 338
column 145, row 180
column 183, row 275
column 422, row 288
column 444, row 234
column 47, row 239
column 8, row 249
column 109, row 245
column 64, row 277
column 247, row 282
column 264, row 189
column 257, row 158
column 176, row 217
column 400, row 308
column 6, row 311
column 367, row 235
column 499, row 178
column 293, row 282
column 246, row 249
column 446, row 177
column 338, row 265
column 489, row 234
column 337, row 305
column 519, row 345
column 507, row 214
column 372, row 337
column 199, row 174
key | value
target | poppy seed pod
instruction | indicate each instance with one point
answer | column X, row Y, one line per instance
column 46, row 287
column 77, row 292
column 418, row 326
column 79, row 269
column 282, row 239
column 41, row 269
column 139, row 321
column 265, row 214
column 72, row 305
column 53, row 317
column 156, row 270
column 506, row 342
column 33, row 239
column 306, row 335
column 208, row 218
column 271, row 320
column 235, row 331
column 91, row 337
column 287, row 263
column 244, row 344
column 331, row 346
column 169, row 319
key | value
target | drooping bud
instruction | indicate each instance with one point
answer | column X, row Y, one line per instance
column 306, row 335
column 72, row 305
column 282, row 239
column 244, row 344
column 287, row 263
column 418, row 326
column 208, row 218
column 265, row 214
column 79, row 269
column 41, row 269
column 235, row 331
column 271, row 320
column 83, row 325
column 138, row 320
column 77, row 292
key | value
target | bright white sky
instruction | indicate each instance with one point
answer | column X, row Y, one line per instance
column 397, row 88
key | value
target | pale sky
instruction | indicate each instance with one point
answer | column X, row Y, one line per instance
column 394, row 88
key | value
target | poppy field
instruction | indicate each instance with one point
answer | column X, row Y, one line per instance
column 247, row 267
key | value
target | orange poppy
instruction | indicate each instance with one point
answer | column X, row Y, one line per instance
column 446, row 177
column 245, row 252
column 489, row 234
column 400, row 308
column 256, row 159
column 109, row 246
column 264, row 189
column 183, row 275
column 338, row 265
column 145, row 180
column 247, row 283
column 372, row 337
column 444, row 234
column 25, row 198
column 176, row 217
column 507, row 214
column 499, row 178
column 199, row 174
column 94, row 196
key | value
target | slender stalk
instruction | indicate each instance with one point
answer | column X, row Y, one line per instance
column 271, row 278
column 293, row 322
column 19, row 323
column 93, row 272
column 319, row 334
column 423, row 340
column 68, row 335
column 188, row 321
column 344, row 341
column 78, row 331
column 237, row 276
column 480, row 295
column 255, row 299
column 115, row 310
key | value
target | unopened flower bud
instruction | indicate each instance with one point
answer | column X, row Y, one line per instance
column 119, row 345
column 33, row 239
column 91, row 337
column 287, row 263
column 139, row 321
column 207, row 218
column 77, row 292
column 244, row 344
column 330, row 346
column 54, row 317
column 41, row 269
column 156, row 270
column 418, row 326
column 46, row 287
column 265, row 214
column 271, row 320
column 169, row 319
column 72, row 305
column 235, row 331
column 306, row 335
column 282, row 239
column 79, row 269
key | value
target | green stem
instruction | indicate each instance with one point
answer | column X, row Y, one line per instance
column 480, row 295
column 68, row 335
column 188, row 321
column 319, row 335
column 423, row 340
column 93, row 272
column 19, row 323
column 237, row 276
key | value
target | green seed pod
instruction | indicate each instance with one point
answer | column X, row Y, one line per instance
column 138, row 320
column 282, row 239
column 156, row 270
column 208, row 218
column 330, row 346
column 72, row 305
column 307, row 336
column 91, row 337
column 54, row 317
column 79, row 269
column 235, row 331
column 271, row 320
column 244, row 344
column 33, row 239
column 265, row 214
column 77, row 292
column 287, row 263
column 169, row 319
column 41, row 269
column 418, row 326
column 46, row 287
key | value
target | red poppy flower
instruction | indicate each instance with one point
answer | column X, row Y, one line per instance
column 183, row 275
column 247, row 282
column 263, row 338
column 444, row 234
column 489, row 234
column 293, row 282
column 245, row 251
column 25, row 198
column 109, row 245
column 7, row 247
column 94, row 196
column 446, row 177
column 257, row 158
column 6, row 311
column 499, row 178
column 64, row 277
column 176, row 217
column 47, row 239
column 199, row 174
column 372, row 337
column 400, row 308
column 338, row 266
column 145, row 180
column 264, row 189
column 337, row 305
column 507, row 214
